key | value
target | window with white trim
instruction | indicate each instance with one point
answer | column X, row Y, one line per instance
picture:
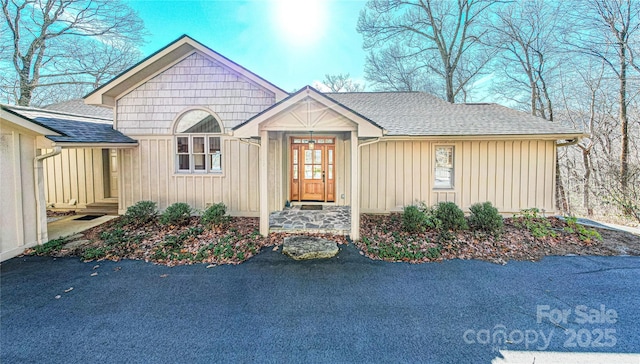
column 443, row 172
column 198, row 145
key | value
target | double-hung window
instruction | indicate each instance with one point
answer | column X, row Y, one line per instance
column 198, row 145
column 443, row 173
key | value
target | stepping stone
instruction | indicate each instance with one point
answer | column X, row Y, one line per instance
column 75, row 244
column 308, row 247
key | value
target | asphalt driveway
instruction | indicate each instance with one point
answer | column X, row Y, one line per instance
column 346, row 309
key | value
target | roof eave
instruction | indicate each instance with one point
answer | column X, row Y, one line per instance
column 28, row 123
column 557, row 136
column 95, row 145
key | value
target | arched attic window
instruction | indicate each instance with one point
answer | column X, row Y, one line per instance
column 198, row 147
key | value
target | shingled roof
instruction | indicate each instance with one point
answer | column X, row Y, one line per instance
column 78, row 107
column 74, row 129
column 422, row 114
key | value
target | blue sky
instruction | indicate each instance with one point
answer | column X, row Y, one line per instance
column 291, row 43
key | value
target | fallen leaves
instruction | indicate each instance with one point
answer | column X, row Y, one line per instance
column 382, row 232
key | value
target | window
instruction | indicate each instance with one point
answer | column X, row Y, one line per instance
column 198, row 147
column 444, row 167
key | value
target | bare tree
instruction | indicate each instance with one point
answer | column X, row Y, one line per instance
column 610, row 34
column 434, row 34
column 525, row 34
column 62, row 42
column 388, row 69
column 341, row 82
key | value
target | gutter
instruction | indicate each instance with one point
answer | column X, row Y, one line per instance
column 37, row 171
column 368, row 142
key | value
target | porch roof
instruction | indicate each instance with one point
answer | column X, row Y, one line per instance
column 309, row 110
column 73, row 130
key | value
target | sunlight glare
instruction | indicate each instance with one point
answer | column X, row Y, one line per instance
column 300, row 22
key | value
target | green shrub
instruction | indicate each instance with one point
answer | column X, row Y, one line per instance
column 538, row 225
column 94, row 253
column 112, row 237
column 485, row 217
column 49, row 247
column 141, row 213
column 215, row 215
column 176, row 214
column 450, row 217
column 413, row 219
column 584, row 233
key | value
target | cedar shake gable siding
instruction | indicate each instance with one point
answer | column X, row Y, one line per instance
column 194, row 82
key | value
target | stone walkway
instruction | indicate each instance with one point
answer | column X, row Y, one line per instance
column 331, row 219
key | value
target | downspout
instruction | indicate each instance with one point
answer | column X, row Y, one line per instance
column 248, row 141
column 369, row 142
column 37, row 171
column 568, row 142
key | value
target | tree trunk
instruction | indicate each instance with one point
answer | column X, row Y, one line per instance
column 624, row 122
column 561, row 196
column 587, row 177
column 449, row 85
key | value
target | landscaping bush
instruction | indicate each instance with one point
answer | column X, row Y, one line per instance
column 49, row 247
column 450, row 217
column 584, row 234
column 413, row 219
column 215, row 215
column 485, row 217
column 141, row 213
column 539, row 226
column 176, row 214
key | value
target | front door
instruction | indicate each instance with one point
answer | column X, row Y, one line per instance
column 313, row 169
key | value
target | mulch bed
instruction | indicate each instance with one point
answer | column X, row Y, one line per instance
column 239, row 240
column 515, row 243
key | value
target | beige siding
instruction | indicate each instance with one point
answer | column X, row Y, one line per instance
column 512, row 174
column 17, row 192
column 147, row 173
column 195, row 81
column 74, row 174
column 394, row 174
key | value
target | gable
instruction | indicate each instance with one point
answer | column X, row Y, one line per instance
column 197, row 81
column 308, row 110
column 107, row 94
column 309, row 114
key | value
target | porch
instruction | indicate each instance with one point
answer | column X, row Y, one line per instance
column 328, row 219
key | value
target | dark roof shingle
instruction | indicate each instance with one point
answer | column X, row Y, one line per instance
column 75, row 129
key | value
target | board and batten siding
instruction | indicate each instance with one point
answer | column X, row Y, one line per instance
column 76, row 174
column 512, row 174
column 17, row 191
column 148, row 173
column 195, row 81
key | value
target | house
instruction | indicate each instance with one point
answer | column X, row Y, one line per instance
column 209, row 130
column 50, row 158
column 199, row 128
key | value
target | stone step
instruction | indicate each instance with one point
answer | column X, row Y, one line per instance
column 309, row 247
column 97, row 208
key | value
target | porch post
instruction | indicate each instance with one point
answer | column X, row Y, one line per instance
column 355, row 187
column 263, row 183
